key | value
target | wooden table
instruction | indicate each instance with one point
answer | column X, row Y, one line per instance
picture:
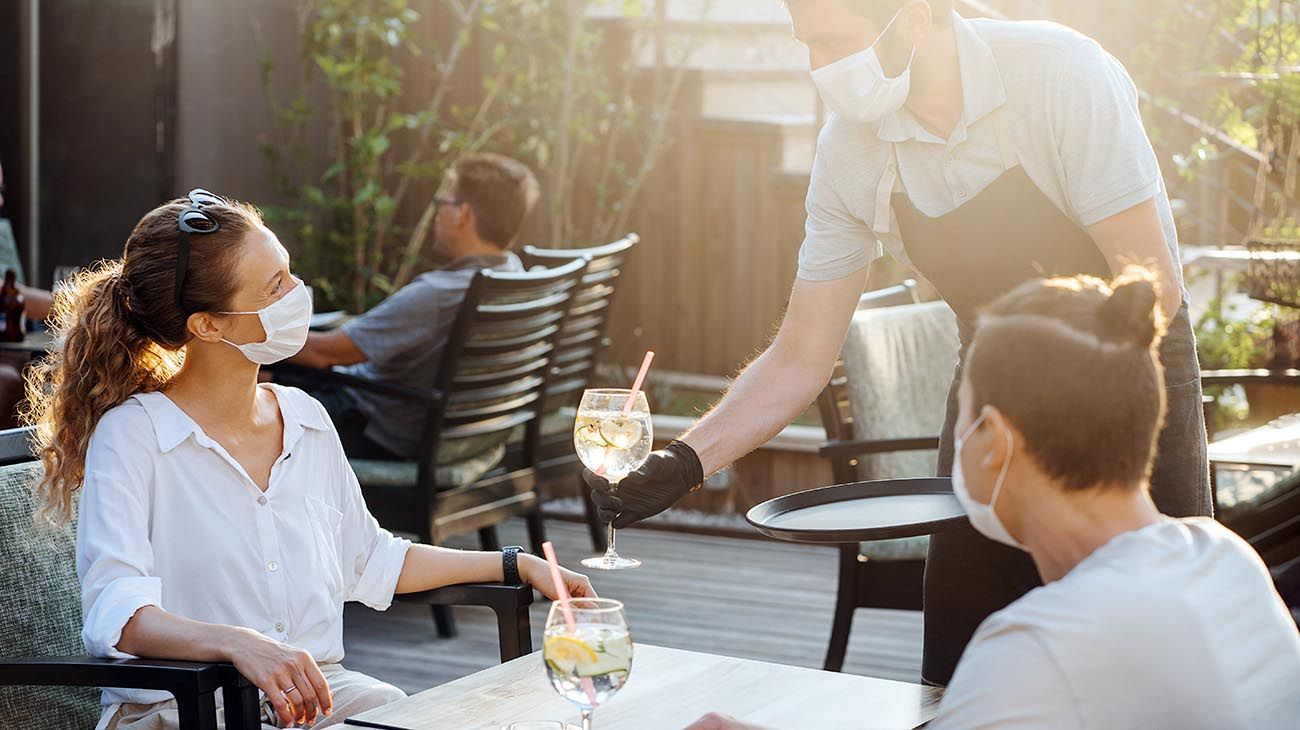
column 667, row 690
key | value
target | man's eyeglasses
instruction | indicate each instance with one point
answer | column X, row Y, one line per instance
column 193, row 220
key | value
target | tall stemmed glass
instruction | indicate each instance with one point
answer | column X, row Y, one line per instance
column 613, row 441
column 588, row 651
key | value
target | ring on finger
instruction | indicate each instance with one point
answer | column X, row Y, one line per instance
column 291, row 689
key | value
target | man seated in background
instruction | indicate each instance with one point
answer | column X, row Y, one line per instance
column 481, row 207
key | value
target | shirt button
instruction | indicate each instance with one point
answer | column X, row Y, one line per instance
column 272, row 566
column 279, row 628
column 261, row 500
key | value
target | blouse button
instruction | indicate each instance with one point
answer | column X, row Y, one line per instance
column 279, row 628
column 272, row 566
column 261, row 500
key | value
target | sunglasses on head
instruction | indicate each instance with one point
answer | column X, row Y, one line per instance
column 193, row 220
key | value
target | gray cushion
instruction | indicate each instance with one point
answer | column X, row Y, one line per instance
column 375, row 473
column 40, row 608
column 907, row 548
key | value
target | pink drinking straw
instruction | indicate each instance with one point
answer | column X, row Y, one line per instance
column 563, row 593
column 631, row 398
column 636, row 384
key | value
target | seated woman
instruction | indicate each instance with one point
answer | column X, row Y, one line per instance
column 1144, row 621
column 219, row 519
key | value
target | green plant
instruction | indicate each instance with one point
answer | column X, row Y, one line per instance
column 357, row 151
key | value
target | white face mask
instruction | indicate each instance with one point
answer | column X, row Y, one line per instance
column 983, row 517
column 855, row 86
column 286, row 322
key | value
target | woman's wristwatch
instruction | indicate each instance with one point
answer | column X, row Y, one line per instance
column 510, row 565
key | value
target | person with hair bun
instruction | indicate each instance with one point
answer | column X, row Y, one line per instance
column 1144, row 621
column 219, row 519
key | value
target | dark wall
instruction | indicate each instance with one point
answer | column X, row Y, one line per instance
column 107, row 120
column 11, row 69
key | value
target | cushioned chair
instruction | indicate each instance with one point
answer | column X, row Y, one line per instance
column 46, row 683
column 877, row 430
column 582, row 340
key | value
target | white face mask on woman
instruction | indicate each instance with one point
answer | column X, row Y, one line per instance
column 856, row 87
column 983, row 517
column 286, row 322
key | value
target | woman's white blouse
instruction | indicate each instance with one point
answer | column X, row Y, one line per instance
column 169, row 519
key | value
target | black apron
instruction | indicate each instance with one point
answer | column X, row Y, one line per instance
column 1005, row 235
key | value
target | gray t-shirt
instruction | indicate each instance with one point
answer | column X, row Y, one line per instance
column 1069, row 107
column 403, row 339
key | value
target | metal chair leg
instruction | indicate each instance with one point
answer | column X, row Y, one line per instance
column 488, row 539
column 444, row 621
column 536, row 529
column 846, row 603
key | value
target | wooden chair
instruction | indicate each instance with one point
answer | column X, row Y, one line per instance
column 889, row 574
column 491, row 382
column 582, row 340
column 44, row 680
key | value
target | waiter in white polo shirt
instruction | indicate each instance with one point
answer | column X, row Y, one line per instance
column 981, row 153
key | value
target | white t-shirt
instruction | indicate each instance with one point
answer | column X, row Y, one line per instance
column 1070, row 109
column 1176, row 626
column 169, row 519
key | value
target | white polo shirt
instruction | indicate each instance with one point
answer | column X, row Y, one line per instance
column 168, row 518
column 1071, row 111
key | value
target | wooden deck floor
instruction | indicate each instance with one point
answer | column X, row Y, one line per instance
column 744, row 598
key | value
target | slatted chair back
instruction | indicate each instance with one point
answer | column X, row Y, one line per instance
column 582, row 337
column 833, row 403
column 497, row 364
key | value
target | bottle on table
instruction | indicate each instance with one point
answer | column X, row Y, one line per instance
column 12, row 304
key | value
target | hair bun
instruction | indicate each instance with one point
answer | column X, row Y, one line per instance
column 1130, row 316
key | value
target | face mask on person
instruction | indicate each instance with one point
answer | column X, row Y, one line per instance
column 983, row 517
column 286, row 322
column 855, row 86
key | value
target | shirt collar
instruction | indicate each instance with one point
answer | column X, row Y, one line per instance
column 172, row 426
column 981, row 84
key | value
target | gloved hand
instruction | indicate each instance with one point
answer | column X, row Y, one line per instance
column 667, row 476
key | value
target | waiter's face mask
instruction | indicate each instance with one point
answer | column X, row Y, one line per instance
column 855, row 87
column 984, row 517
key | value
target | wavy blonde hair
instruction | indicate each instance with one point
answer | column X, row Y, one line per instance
column 121, row 334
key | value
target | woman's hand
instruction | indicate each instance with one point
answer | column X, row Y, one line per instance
column 537, row 573
column 289, row 677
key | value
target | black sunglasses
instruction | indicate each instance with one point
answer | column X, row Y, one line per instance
column 193, row 220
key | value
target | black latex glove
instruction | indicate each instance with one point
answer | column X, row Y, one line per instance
column 667, row 476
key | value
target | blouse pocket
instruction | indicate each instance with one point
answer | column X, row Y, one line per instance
column 326, row 527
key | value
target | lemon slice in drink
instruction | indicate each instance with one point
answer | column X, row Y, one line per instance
column 591, row 434
column 620, row 433
column 567, row 651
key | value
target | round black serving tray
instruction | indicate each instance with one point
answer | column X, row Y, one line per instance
column 861, row 512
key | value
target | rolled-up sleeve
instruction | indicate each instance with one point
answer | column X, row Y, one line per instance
column 115, row 560
column 836, row 243
column 1107, row 158
column 372, row 557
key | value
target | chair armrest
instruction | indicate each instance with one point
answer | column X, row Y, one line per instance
column 1240, row 377
column 509, row 603
column 85, row 671
column 473, row 594
column 840, row 449
column 334, row 377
